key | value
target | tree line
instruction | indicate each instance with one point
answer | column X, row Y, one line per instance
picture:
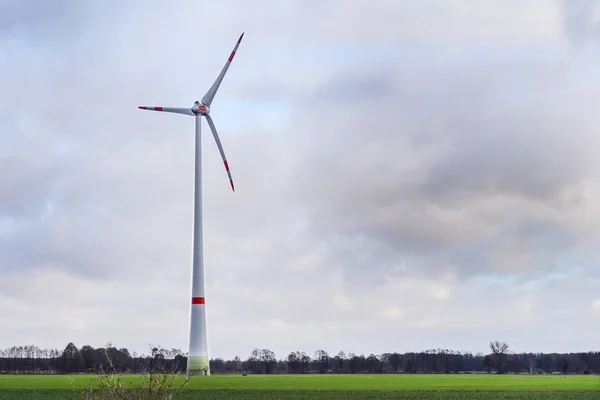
column 33, row 360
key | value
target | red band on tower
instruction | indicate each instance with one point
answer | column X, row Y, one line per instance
column 197, row 300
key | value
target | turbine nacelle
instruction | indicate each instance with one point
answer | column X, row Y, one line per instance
column 201, row 109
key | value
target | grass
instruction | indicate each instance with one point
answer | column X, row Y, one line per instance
column 346, row 387
column 333, row 382
column 62, row 394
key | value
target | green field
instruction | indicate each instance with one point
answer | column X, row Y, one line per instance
column 347, row 387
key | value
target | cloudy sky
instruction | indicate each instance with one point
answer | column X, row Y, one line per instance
column 409, row 174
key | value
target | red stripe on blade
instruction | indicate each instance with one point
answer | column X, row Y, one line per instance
column 158, row 108
column 142, row 107
column 231, row 56
column 197, row 300
column 231, row 182
column 240, row 39
column 226, row 165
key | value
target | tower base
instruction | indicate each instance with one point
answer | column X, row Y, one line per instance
column 198, row 366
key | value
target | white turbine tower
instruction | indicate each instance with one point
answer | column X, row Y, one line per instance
column 198, row 345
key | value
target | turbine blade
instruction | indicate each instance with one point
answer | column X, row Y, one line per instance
column 216, row 136
column 176, row 110
column 210, row 95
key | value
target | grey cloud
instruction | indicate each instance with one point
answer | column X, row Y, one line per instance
column 25, row 182
column 482, row 190
column 579, row 19
column 364, row 88
column 33, row 14
column 38, row 24
column 387, row 21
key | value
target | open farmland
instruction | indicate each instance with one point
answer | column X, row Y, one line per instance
column 330, row 386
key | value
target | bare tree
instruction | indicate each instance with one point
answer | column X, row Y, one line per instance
column 340, row 361
column 499, row 355
column 322, row 357
column 268, row 360
column 293, row 363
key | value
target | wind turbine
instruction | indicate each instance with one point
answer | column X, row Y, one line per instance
column 198, row 362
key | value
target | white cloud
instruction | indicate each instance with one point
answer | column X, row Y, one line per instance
column 392, row 313
column 596, row 307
